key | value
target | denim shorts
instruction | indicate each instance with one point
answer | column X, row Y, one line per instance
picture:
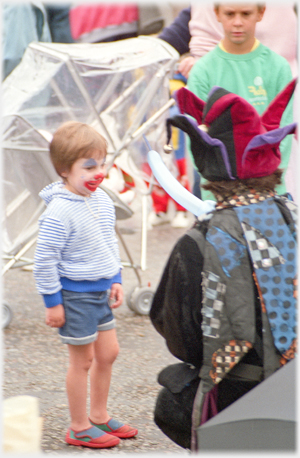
column 86, row 314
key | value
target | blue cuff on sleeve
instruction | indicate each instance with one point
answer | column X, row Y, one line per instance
column 51, row 300
column 117, row 278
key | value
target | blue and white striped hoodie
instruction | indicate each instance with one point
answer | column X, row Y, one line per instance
column 75, row 250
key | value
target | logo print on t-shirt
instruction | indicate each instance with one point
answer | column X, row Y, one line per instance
column 259, row 94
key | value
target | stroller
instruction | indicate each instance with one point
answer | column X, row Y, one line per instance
column 121, row 89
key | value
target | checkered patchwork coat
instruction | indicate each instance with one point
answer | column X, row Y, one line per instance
column 227, row 297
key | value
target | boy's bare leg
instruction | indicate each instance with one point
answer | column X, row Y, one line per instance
column 106, row 349
column 80, row 360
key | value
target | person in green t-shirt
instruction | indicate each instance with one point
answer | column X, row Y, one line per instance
column 244, row 66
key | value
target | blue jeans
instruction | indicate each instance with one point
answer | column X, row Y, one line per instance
column 86, row 314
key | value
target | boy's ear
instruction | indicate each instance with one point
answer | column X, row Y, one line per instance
column 64, row 174
column 261, row 12
column 216, row 10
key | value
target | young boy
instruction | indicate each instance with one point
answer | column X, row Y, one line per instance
column 244, row 66
column 76, row 264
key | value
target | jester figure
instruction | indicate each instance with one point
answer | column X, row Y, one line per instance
column 226, row 301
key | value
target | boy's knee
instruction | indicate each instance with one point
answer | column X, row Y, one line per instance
column 109, row 355
column 112, row 355
column 81, row 365
column 86, row 363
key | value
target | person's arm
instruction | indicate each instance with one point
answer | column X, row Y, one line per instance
column 177, row 34
column 21, row 18
column 59, row 22
column 205, row 30
column 51, row 239
column 176, row 307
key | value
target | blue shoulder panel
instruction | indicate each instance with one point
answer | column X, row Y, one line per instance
column 273, row 249
column 228, row 249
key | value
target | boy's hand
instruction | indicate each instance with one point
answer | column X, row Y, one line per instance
column 116, row 295
column 55, row 316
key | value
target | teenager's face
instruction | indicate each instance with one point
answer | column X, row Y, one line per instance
column 239, row 23
column 85, row 174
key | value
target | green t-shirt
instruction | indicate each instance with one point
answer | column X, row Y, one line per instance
column 257, row 76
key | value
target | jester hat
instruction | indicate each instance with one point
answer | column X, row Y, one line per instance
column 229, row 139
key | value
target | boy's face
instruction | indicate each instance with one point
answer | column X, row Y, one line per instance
column 239, row 22
column 85, row 174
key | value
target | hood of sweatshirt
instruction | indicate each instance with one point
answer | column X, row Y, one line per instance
column 58, row 189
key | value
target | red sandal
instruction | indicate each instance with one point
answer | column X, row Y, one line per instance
column 91, row 437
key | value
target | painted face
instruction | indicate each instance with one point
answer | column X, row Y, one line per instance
column 239, row 23
column 85, row 175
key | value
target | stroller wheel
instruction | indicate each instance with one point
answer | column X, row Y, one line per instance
column 128, row 298
column 141, row 300
column 7, row 315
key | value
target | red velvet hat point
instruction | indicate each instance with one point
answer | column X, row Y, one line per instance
column 229, row 139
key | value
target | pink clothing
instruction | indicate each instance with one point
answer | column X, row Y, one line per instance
column 277, row 30
column 86, row 20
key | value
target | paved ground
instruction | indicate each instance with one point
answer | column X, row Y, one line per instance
column 35, row 362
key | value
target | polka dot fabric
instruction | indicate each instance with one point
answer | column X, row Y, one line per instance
column 272, row 248
column 229, row 251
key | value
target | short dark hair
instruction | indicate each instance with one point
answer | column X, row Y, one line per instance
column 227, row 188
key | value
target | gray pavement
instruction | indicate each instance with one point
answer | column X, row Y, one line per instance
column 35, row 362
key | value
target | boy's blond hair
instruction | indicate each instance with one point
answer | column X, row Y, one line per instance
column 260, row 6
column 74, row 140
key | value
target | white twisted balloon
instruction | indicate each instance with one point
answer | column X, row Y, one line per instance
column 169, row 183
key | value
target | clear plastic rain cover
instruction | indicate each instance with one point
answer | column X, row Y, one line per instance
column 116, row 87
